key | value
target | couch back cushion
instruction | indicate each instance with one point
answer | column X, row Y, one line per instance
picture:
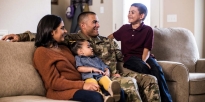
column 17, row 74
column 176, row 44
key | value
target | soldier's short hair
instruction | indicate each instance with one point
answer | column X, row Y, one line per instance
column 84, row 15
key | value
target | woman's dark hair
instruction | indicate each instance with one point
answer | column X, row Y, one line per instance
column 142, row 9
column 77, row 45
column 44, row 30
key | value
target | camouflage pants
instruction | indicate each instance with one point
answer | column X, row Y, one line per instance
column 129, row 85
column 148, row 87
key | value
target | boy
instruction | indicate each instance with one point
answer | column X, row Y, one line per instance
column 136, row 43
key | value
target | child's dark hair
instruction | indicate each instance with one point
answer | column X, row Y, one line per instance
column 76, row 45
column 142, row 9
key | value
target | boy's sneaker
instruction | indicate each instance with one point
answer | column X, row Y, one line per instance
column 114, row 90
column 109, row 99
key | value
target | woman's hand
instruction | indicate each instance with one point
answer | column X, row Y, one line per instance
column 91, row 86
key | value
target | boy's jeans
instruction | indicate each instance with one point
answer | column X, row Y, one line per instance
column 136, row 64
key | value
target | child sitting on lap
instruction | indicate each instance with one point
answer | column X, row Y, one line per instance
column 94, row 70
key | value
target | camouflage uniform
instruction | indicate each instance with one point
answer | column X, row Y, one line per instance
column 110, row 53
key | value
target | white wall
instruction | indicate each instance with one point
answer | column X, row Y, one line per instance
column 17, row 16
column 199, row 25
column 155, row 13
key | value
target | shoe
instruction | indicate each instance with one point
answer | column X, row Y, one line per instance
column 109, row 99
column 114, row 90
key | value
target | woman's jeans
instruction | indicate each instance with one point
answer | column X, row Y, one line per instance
column 93, row 96
column 87, row 96
column 136, row 64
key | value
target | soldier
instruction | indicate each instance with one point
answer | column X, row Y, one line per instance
column 109, row 52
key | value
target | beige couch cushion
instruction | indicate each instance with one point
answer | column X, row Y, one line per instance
column 17, row 75
column 197, row 83
column 30, row 99
column 175, row 44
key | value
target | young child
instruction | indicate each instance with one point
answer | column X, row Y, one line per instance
column 136, row 43
column 94, row 70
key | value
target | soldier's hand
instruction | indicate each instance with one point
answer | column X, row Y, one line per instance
column 11, row 37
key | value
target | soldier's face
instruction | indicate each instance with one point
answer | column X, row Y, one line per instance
column 91, row 26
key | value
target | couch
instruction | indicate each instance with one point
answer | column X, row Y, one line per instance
column 174, row 48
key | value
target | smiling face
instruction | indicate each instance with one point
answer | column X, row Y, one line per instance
column 59, row 33
column 86, row 49
column 90, row 25
column 134, row 15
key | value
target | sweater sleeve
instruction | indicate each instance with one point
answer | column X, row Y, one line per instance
column 46, row 67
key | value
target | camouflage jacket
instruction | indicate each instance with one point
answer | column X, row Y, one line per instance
column 104, row 48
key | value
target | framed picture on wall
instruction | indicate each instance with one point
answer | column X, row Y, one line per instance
column 55, row 2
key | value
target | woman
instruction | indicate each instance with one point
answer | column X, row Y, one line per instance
column 55, row 63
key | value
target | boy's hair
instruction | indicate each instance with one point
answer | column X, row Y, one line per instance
column 142, row 9
column 77, row 45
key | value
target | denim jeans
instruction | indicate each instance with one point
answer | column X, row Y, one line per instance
column 87, row 96
column 93, row 96
column 136, row 64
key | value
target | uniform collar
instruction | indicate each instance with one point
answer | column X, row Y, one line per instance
column 91, row 39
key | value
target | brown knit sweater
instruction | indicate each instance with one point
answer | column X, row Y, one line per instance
column 60, row 77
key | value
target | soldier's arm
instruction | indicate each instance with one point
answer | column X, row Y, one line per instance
column 118, row 52
column 26, row 36
column 69, row 39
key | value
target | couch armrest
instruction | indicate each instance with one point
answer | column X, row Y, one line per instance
column 200, row 66
column 177, row 77
column 174, row 71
